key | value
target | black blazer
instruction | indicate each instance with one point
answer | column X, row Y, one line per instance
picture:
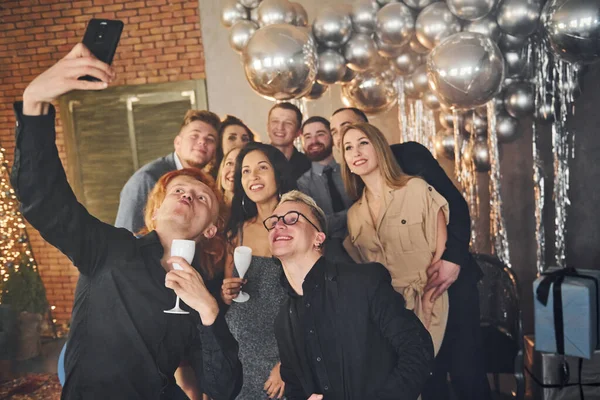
column 416, row 159
column 372, row 347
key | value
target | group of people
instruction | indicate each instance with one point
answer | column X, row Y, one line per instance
column 361, row 283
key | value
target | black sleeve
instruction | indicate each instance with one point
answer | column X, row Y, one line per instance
column 46, row 198
column 293, row 387
column 406, row 334
column 416, row 159
column 214, row 358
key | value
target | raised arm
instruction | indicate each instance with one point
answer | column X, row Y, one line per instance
column 38, row 177
column 408, row 337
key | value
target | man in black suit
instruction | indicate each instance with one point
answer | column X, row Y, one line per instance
column 343, row 332
column 461, row 353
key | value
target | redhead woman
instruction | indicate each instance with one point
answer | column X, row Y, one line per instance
column 398, row 220
column 261, row 177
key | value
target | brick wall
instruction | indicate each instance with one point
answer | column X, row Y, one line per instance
column 161, row 42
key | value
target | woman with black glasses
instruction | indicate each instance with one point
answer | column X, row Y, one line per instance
column 261, row 176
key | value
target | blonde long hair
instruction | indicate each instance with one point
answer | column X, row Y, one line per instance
column 389, row 169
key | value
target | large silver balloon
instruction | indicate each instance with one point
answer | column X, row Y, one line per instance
column 519, row 100
column 360, row 51
column 516, row 62
column 332, row 67
column 388, row 50
column 466, row 70
column 250, row 3
column 417, row 47
column 317, row 91
column 280, row 62
column 301, row 14
column 508, row 42
column 444, row 143
column 240, row 33
column 276, row 12
column 486, row 26
column 471, row 10
column 407, row 62
column 418, row 4
column 233, row 12
column 507, row 128
column 480, row 155
column 395, row 24
column 436, row 23
column 431, row 101
column 420, row 79
column 332, row 26
column 371, row 92
column 573, row 29
column 363, row 16
column 519, row 17
column 348, row 75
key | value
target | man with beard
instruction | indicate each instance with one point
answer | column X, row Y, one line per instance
column 323, row 181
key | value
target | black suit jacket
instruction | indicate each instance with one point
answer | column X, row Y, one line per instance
column 416, row 159
column 370, row 345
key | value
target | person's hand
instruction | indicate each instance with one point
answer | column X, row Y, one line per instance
column 189, row 286
column 275, row 386
column 230, row 288
column 315, row 396
column 441, row 274
column 427, row 307
column 62, row 78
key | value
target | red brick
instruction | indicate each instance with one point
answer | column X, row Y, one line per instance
column 60, row 6
column 135, row 4
column 128, row 13
column 140, row 18
column 139, row 33
column 167, row 57
column 43, row 50
column 26, row 38
column 184, row 13
column 175, row 35
column 161, row 16
column 148, row 11
column 83, row 4
column 113, row 7
column 165, row 43
column 182, row 28
column 151, row 3
column 160, row 31
column 172, row 21
column 71, row 13
column 186, row 42
column 23, row 24
column 158, row 79
column 45, row 36
column 41, row 8
column 144, row 46
column 150, row 24
column 103, row 2
column 151, row 38
column 64, row 21
column 54, row 28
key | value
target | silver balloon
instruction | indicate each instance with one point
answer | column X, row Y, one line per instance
column 420, row 79
column 240, row 33
column 431, row 101
column 409, row 89
column 546, row 111
column 370, row 92
column 417, row 47
column 498, row 107
column 301, row 15
column 332, row 67
column 418, row 4
column 486, row 26
column 481, row 156
column 407, row 62
column 436, row 23
column 515, row 62
column 395, row 24
column 511, row 43
column 474, row 124
column 519, row 17
column 317, row 91
column 363, row 16
column 280, row 62
column 333, row 26
column 507, row 128
column 573, row 29
column 519, row 100
column 233, row 12
column 444, row 143
column 348, row 75
column 388, row 50
column 360, row 51
column 250, row 3
column 466, row 70
column 471, row 10
column 276, row 12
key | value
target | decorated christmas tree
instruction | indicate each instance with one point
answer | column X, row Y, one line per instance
column 20, row 284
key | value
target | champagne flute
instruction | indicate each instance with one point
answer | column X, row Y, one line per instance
column 185, row 249
column 242, row 257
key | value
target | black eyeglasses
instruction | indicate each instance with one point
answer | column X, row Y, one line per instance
column 290, row 218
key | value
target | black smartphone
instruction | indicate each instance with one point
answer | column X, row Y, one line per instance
column 102, row 38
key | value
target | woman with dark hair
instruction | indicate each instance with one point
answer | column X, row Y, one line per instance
column 233, row 132
column 261, row 177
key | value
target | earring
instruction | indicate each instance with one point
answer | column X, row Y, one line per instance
column 279, row 195
column 243, row 204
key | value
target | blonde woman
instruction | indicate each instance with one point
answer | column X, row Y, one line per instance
column 398, row 220
column 226, row 173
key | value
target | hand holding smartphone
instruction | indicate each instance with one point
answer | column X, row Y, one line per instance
column 102, row 38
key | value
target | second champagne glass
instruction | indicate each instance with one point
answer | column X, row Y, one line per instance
column 184, row 249
column 242, row 257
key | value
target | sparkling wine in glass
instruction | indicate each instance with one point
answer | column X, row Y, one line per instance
column 184, row 249
column 242, row 256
